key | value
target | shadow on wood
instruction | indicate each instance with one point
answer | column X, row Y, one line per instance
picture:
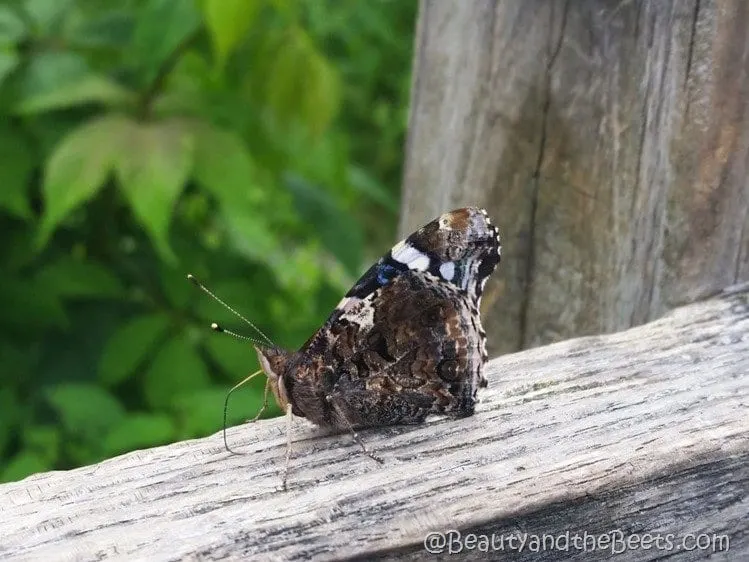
column 644, row 431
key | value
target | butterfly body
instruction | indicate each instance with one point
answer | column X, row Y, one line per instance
column 406, row 341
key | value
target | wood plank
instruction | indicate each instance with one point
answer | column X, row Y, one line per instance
column 644, row 430
column 609, row 140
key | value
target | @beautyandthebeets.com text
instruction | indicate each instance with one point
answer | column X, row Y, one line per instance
column 615, row 542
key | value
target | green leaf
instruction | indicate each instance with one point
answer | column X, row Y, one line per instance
column 228, row 22
column 78, row 168
column 86, row 411
column 19, row 364
column 45, row 440
column 12, row 28
column 17, row 250
column 288, row 9
column 129, row 347
column 47, row 14
column 224, row 167
column 338, row 230
column 177, row 369
column 153, row 168
column 23, row 464
column 29, row 305
column 15, row 173
column 69, row 277
column 251, row 234
column 10, row 405
column 84, row 90
column 111, row 29
column 235, row 357
column 48, row 72
column 367, row 185
column 162, row 26
column 300, row 84
column 283, row 86
column 139, row 431
column 300, row 270
column 188, row 89
column 322, row 93
column 8, row 62
column 175, row 286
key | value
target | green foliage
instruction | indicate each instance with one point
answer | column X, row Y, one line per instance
column 139, row 431
column 227, row 22
column 77, row 169
column 153, row 167
column 17, row 165
column 255, row 143
column 130, row 345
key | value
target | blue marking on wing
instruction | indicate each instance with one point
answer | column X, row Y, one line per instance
column 385, row 274
column 379, row 275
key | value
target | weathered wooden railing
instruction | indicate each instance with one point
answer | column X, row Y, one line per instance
column 635, row 443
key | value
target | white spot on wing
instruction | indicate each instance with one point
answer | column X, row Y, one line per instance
column 360, row 311
column 347, row 302
column 410, row 256
column 447, row 270
column 420, row 264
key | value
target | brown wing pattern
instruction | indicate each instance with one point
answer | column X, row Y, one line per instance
column 419, row 353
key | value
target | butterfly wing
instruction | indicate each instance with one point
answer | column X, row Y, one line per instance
column 407, row 340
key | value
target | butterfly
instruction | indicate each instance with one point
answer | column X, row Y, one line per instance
column 404, row 343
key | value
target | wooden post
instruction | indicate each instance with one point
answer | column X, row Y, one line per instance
column 633, row 435
column 609, row 140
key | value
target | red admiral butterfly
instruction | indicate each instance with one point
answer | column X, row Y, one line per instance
column 405, row 342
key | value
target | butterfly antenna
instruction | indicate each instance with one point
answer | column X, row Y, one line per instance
column 208, row 292
column 226, row 407
column 216, row 328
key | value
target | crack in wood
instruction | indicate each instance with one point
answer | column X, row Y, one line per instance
column 530, row 261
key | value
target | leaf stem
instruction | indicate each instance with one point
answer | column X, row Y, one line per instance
column 156, row 85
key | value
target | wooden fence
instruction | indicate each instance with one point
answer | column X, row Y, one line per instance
column 640, row 436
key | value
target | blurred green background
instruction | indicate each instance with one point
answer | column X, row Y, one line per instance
column 255, row 143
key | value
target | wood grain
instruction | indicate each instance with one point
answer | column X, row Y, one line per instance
column 608, row 139
column 645, row 431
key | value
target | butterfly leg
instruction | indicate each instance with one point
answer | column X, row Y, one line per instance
column 336, row 405
column 226, row 405
column 289, row 419
column 265, row 402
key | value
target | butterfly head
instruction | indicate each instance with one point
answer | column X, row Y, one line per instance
column 273, row 361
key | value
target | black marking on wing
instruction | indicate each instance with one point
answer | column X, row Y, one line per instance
column 380, row 274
